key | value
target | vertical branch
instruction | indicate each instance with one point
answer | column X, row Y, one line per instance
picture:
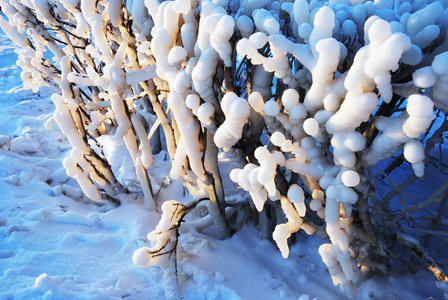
column 215, row 189
column 150, row 89
column 211, row 165
column 363, row 213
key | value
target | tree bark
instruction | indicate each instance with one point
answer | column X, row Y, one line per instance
column 215, row 190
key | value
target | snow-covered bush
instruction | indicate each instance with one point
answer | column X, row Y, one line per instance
column 308, row 100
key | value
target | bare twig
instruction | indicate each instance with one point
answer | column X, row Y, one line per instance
column 435, row 197
column 422, row 255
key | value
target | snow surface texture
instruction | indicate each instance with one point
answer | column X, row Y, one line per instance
column 336, row 62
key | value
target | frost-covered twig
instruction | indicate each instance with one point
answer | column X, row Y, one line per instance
column 164, row 240
column 422, row 255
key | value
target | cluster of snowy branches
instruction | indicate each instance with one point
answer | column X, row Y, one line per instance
column 304, row 98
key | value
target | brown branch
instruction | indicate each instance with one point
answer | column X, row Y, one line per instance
column 435, row 197
column 248, row 79
column 419, row 252
column 228, row 77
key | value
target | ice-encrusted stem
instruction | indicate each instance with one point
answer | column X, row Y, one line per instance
column 423, row 255
column 170, row 282
column 68, row 116
column 150, row 88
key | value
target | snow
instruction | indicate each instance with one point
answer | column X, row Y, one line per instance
column 323, row 26
column 298, row 113
column 311, row 126
column 414, row 153
column 350, row 178
column 255, row 100
column 425, row 37
column 205, row 112
column 420, row 110
column 419, row 106
column 349, row 28
column 440, row 89
column 277, row 138
column 58, row 244
column 222, row 32
column 290, row 98
column 305, row 30
column 258, row 40
column 245, row 25
column 177, row 55
column 423, row 18
column 271, row 108
column 295, row 194
column 264, row 21
column 424, row 77
column 439, row 64
column 237, row 112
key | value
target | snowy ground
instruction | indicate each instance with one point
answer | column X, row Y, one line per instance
column 53, row 247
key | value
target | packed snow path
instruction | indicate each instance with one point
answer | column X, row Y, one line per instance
column 53, row 247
